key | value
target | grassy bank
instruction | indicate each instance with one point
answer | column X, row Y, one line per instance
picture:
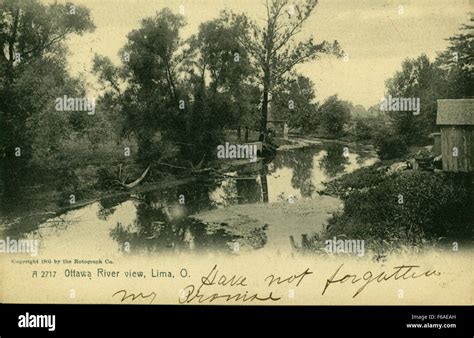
column 403, row 210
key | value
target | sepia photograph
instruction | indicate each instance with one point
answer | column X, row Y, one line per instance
column 237, row 152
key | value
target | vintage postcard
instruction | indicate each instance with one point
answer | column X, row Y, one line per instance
column 237, row 152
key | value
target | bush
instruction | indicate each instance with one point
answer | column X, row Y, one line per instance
column 359, row 179
column 390, row 146
column 333, row 114
column 434, row 206
column 363, row 130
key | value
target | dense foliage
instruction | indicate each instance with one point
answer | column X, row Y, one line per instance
column 405, row 208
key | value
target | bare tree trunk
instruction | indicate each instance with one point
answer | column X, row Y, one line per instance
column 263, row 180
column 263, row 124
column 266, row 89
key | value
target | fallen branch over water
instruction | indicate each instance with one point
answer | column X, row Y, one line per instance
column 136, row 182
column 193, row 170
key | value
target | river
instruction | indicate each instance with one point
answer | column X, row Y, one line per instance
column 160, row 221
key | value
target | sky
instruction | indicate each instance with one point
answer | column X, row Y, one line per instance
column 377, row 36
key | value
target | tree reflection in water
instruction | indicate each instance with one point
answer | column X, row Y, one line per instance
column 157, row 221
column 301, row 162
column 334, row 162
column 162, row 225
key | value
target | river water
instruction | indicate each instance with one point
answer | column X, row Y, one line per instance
column 159, row 221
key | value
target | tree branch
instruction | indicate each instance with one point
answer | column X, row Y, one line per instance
column 46, row 45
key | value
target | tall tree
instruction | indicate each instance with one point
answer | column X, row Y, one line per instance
column 458, row 63
column 32, row 38
column 450, row 76
column 173, row 93
column 146, row 89
column 217, row 54
column 276, row 49
column 418, row 79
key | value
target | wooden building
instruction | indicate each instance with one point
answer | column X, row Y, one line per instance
column 436, row 143
column 456, row 121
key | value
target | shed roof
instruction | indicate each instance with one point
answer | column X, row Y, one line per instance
column 455, row 112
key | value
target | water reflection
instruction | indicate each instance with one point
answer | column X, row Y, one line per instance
column 335, row 159
column 158, row 221
column 161, row 223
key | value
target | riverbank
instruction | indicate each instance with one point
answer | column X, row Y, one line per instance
column 307, row 140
